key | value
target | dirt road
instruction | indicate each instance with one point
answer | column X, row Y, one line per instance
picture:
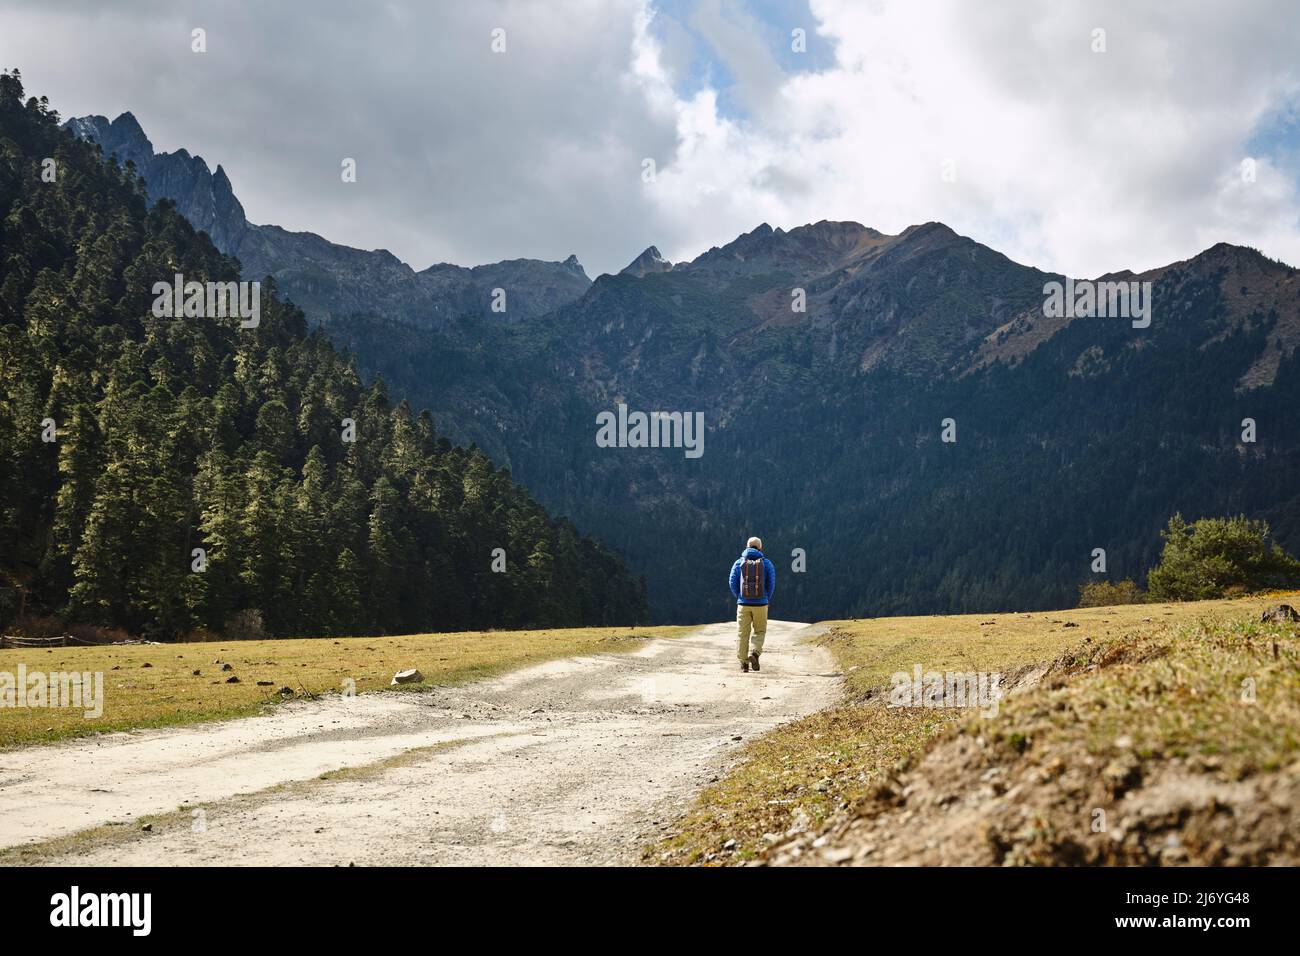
column 575, row 761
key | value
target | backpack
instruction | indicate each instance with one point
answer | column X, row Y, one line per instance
column 751, row 579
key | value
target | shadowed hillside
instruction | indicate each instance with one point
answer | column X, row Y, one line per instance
column 166, row 475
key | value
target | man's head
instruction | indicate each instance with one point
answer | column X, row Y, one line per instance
column 756, row 543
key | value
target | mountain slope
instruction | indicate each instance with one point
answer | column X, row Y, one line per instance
column 824, row 428
column 169, row 474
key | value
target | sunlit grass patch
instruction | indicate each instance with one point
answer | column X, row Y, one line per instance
column 1185, row 697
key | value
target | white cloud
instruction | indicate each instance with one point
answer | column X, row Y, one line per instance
column 463, row 154
column 1067, row 159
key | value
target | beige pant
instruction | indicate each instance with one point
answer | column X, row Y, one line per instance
column 747, row 616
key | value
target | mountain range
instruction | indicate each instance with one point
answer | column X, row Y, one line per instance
column 832, row 364
column 323, row 278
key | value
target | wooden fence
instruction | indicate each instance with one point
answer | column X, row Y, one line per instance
column 61, row 640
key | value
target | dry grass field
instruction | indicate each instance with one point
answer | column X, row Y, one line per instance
column 155, row 685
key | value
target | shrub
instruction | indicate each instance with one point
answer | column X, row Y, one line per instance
column 1106, row 593
column 245, row 626
column 1219, row 557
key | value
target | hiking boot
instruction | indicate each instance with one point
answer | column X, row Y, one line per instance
column 744, row 667
column 753, row 662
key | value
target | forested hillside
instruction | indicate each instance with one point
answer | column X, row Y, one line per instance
column 166, row 474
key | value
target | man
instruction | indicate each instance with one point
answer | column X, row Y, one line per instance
column 753, row 579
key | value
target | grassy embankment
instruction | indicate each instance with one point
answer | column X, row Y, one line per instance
column 156, row 685
column 1181, row 693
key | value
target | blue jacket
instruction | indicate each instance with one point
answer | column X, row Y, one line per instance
column 769, row 578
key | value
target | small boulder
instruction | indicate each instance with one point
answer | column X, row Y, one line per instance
column 407, row 677
column 232, row 679
column 227, row 667
column 266, row 683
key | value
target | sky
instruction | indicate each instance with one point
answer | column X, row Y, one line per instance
column 1081, row 138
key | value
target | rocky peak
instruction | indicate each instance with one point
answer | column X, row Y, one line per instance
column 648, row 262
column 205, row 198
column 122, row 137
column 810, row 250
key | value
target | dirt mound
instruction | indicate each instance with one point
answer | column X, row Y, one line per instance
column 1166, row 749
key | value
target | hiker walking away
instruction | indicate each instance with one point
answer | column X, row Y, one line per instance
column 753, row 579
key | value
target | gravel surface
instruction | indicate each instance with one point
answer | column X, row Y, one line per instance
column 576, row 761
